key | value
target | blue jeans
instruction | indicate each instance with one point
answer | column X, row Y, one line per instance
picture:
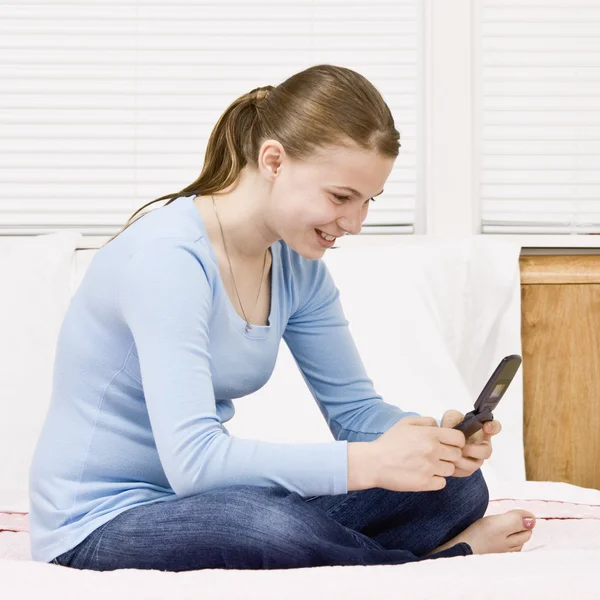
column 250, row 527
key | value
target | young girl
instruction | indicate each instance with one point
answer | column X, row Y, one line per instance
column 184, row 310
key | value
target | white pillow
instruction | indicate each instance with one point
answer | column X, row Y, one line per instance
column 35, row 278
column 431, row 318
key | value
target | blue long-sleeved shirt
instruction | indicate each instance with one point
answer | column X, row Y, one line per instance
column 151, row 353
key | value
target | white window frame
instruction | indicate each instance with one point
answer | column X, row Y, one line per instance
column 453, row 111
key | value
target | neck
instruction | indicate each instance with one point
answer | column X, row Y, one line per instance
column 241, row 214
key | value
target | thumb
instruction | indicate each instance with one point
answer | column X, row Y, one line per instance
column 422, row 421
column 452, row 418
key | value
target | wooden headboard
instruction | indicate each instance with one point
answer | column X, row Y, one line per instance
column 561, row 367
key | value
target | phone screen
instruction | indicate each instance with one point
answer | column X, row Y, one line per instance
column 497, row 393
column 498, row 383
column 490, row 395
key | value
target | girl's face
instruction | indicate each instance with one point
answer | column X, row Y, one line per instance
column 309, row 199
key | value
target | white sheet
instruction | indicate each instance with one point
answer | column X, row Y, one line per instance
column 559, row 562
column 543, row 575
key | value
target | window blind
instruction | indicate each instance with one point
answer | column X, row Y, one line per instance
column 109, row 104
column 539, row 165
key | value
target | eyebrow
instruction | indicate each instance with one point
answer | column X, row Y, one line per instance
column 355, row 192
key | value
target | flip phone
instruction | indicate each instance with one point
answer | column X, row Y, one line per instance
column 490, row 396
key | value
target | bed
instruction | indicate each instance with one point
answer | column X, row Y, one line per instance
column 559, row 561
column 456, row 314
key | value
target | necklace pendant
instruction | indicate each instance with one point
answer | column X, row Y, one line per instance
column 248, row 328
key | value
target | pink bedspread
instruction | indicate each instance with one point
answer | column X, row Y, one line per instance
column 14, row 522
column 14, row 536
column 547, row 510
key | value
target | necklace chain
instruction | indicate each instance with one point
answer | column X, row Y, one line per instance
column 248, row 324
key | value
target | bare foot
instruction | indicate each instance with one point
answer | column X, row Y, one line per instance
column 496, row 533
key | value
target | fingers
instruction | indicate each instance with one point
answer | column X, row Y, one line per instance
column 444, row 468
column 455, row 462
column 451, row 437
column 465, row 467
column 452, row 418
column 422, row 421
column 485, row 434
column 450, row 453
column 435, row 483
column 481, row 451
column 491, row 428
column 467, row 460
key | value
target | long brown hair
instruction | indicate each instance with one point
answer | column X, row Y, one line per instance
column 320, row 106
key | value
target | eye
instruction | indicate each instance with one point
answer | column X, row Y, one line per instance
column 341, row 198
column 346, row 198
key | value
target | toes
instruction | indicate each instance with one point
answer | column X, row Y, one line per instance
column 524, row 514
column 523, row 519
column 520, row 538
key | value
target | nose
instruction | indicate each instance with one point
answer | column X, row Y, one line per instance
column 351, row 222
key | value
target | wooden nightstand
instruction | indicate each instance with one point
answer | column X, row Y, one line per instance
column 561, row 367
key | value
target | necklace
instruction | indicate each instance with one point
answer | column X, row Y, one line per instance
column 248, row 325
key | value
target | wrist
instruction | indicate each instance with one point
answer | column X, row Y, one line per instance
column 362, row 466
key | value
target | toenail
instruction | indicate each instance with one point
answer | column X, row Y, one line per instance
column 528, row 522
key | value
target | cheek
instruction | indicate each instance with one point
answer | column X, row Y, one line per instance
column 305, row 214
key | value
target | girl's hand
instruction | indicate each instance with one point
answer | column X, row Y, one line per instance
column 477, row 448
column 413, row 455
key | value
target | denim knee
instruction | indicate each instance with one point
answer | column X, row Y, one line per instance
column 471, row 493
column 277, row 528
column 277, row 516
column 263, row 512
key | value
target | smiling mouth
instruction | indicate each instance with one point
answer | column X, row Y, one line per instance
column 326, row 236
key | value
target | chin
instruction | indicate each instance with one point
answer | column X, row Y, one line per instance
column 308, row 244
column 305, row 249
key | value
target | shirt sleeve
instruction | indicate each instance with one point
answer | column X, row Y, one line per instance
column 321, row 342
column 165, row 300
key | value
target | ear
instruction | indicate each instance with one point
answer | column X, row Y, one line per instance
column 270, row 158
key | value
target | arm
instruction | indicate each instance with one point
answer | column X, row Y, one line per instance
column 320, row 340
column 165, row 300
